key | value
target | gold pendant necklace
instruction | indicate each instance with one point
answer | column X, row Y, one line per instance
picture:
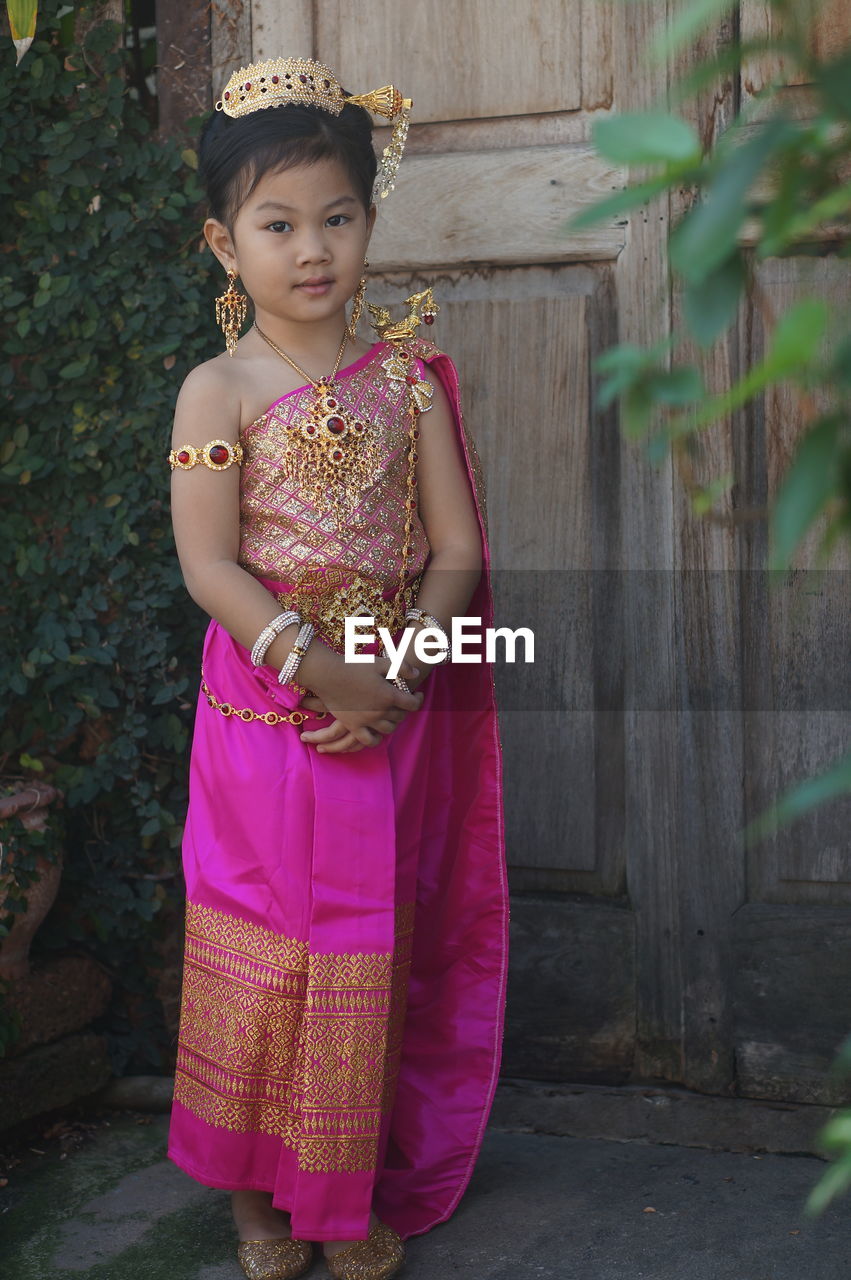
column 330, row 459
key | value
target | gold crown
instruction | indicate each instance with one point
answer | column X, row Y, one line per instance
column 279, row 81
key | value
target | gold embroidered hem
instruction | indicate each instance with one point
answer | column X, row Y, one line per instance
column 277, row 1040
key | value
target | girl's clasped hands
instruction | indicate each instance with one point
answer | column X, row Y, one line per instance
column 365, row 705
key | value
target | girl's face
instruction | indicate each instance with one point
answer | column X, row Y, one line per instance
column 299, row 242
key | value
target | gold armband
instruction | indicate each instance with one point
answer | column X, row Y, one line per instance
column 218, row 455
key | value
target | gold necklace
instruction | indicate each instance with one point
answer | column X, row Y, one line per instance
column 323, row 382
column 329, row 459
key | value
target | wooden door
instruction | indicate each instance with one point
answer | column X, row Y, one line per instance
column 635, row 913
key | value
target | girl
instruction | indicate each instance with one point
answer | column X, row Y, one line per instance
column 346, row 915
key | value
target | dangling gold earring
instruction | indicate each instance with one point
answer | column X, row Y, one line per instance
column 231, row 308
column 357, row 306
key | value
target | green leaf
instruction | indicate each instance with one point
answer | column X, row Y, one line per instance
column 798, row 335
column 681, row 385
column 710, row 306
column 647, row 137
column 836, row 1134
column 75, row 369
column 796, row 338
column 637, row 411
column 833, row 81
column 703, row 499
column 809, row 482
column 707, row 234
column 799, row 799
column 625, row 366
column 840, row 364
column 687, row 24
column 833, row 1183
column 22, row 18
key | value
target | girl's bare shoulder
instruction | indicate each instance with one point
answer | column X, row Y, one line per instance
column 209, row 402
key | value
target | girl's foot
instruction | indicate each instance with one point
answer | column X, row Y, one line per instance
column 266, row 1249
column 330, row 1247
column 255, row 1218
column 377, row 1258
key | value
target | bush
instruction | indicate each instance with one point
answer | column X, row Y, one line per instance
column 108, row 301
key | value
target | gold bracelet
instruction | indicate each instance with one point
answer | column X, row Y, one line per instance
column 246, row 714
column 218, row 455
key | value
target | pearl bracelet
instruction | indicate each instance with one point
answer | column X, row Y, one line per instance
column 267, row 635
column 295, row 655
column 429, row 620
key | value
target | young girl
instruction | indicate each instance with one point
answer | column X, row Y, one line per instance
column 346, row 916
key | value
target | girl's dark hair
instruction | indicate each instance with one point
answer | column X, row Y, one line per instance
column 233, row 155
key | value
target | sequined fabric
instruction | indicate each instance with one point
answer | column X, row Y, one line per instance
column 282, row 1259
column 377, row 1258
column 286, row 537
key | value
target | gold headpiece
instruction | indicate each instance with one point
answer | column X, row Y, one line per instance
column 308, row 83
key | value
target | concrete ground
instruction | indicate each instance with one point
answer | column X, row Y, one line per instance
column 114, row 1208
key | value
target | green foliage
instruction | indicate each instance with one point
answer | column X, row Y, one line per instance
column 646, row 138
column 109, row 300
column 834, row 1140
column 801, row 165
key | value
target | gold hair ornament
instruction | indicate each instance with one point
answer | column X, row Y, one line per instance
column 279, row 81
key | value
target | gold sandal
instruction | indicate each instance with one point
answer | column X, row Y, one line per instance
column 281, row 1258
column 377, row 1258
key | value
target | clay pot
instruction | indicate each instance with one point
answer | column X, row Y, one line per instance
column 30, row 804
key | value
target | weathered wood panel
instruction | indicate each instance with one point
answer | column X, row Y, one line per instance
column 707, row 701
column 183, row 42
column 792, row 1001
column 652, row 751
column 461, row 61
column 281, row 29
column 654, row 724
column 596, row 40
column 502, row 207
column 831, row 32
column 230, row 28
column 546, row 462
column 570, row 1013
column 798, row 707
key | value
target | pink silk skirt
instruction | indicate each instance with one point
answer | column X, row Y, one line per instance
column 346, row 948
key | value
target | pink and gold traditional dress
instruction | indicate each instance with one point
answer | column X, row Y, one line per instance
column 347, row 915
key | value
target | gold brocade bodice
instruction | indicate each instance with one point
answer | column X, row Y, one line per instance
column 336, row 558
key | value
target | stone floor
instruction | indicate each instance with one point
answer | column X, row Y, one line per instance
column 547, row 1208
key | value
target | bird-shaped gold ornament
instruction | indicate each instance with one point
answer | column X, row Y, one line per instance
column 421, row 308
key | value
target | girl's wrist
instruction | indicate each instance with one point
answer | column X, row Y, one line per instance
column 319, row 666
column 431, row 648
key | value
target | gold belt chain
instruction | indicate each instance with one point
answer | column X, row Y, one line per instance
column 246, row 714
